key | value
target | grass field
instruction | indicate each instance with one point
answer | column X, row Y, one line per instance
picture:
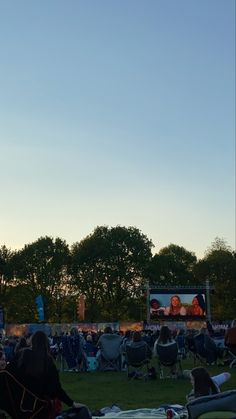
column 100, row 389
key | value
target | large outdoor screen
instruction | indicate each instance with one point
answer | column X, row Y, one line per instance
column 177, row 304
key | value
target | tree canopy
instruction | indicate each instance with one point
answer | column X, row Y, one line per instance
column 110, row 267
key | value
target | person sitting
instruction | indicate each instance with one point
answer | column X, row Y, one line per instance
column 206, row 347
column 35, row 369
column 21, row 344
column 138, row 342
column 109, row 354
column 3, row 362
column 180, row 340
column 230, row 337
column 176, row 308
column 203, row 384
column 166, row 349
column 73, row 350
column 90, row 348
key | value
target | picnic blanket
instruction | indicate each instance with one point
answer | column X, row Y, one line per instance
column 180, row 412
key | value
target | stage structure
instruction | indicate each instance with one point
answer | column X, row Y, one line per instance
column 178, row 303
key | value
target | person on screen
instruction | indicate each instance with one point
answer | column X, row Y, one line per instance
column 176, row 308
column 198, row 306
column 155, row 308
column 155, row 305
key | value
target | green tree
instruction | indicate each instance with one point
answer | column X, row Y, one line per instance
column 219, row 267
column 6, row 274
column 42, row 266
column 172, row 266
column 110, row 267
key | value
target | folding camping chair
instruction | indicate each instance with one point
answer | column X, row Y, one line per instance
column 232, row 356
column 168, row 358
column 110, row 352
column 137, row 361
column 19, row 402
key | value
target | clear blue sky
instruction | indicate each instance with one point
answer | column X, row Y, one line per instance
column 117, row 112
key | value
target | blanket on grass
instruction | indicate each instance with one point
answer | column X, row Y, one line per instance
column 179, row 412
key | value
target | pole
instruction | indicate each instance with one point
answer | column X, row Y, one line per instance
column 208, row 300
column 148, row 302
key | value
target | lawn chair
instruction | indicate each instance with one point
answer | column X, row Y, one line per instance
column 168, row 357
column 109, row 358
column 19, row 402
column 221, row 405
column 137, row 361
column 232, row 353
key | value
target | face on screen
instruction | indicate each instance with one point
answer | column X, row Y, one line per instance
column 182, row 305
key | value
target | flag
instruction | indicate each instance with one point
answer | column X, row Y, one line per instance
column 2, row 322
column 81, row 307
column 40, row 307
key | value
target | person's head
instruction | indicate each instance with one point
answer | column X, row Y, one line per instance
column 34, row 361
column 175, row 301
column 204, row 331
column 202, row 382
column 74, row 331
column 39, row 342
column 21, row 344
column 165, row 335
column 137, row 336
column 108, row 329
column 128, row 334
column 154, row 303
column 89, row 338
column 198, row 300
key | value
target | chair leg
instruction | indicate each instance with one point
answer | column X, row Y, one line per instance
column 232, row 363
column 161, row 372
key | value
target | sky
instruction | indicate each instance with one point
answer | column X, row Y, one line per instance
column 117, row 113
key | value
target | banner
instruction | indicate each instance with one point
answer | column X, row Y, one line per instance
column 81, row 307
column 2, row 322
column 40, row 307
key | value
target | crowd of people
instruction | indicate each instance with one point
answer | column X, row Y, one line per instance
column 32, row 359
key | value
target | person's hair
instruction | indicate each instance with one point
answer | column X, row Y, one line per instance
column 34, row 361
column 39, row 342
column 172, row 311
column 74, row 331
column 154, row 301
column 165, row 335
column 204, row 330
column 136, row 336
column 21, row 344
column 201, row 301
column 175, row 296
column 180, row 332
column 108, row 329
column 128, row 334
column 203, row 384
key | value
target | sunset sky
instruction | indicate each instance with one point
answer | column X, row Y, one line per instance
column 118, row 113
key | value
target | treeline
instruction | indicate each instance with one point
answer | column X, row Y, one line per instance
column 110, row 267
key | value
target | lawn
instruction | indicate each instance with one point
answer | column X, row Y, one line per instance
column 100, row 389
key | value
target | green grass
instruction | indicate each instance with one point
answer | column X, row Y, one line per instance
column 99, row 389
